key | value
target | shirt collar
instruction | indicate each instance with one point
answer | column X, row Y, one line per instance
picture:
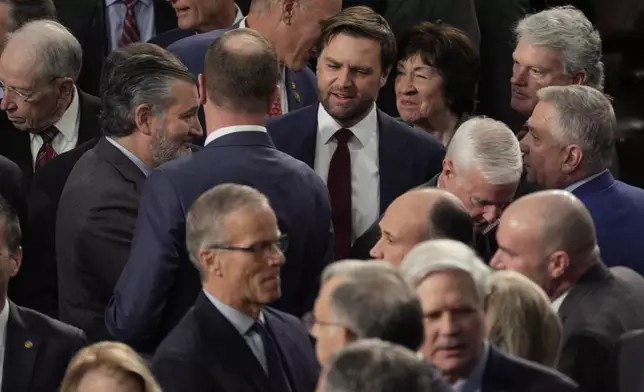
column 108, row 3
column 241, row 321
column 474, row 381
column 216, row 134
column 4, row 319
column 556, row 304
column 136, row 160
column 579, row 183
column 239, row 16
column 363, row 131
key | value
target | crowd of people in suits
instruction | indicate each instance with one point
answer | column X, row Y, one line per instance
column 301, row 195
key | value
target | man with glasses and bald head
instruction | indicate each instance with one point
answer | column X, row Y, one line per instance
column 231, row 340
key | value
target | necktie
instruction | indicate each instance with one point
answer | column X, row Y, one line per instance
column 339, row 184
column 276, row 106
column 46, row 152
column 131, row 32
column 276, row 373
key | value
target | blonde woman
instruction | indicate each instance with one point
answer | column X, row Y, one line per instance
column 108, row 367
column 520, row 321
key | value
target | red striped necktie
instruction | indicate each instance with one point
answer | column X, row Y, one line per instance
column 131, row 32
column 46, row 152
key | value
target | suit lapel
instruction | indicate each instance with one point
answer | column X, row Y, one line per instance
column 20, row 356
column 88, row 123
column 122, row 163
column 287, row 355
column 223, row 337
column 389, row 149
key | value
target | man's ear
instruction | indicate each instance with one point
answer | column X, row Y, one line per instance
column 580, row 77
column 558, row 264
column 202, row 89
column 348, row 336
column 448, row 169
column 384, row 77
column 573, row 155
column 16, row 259
column 210, row 262
column 66, row 87
column 288, row 8
column 143, row 119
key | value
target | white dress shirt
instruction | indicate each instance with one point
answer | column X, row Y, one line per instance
column 4, row 318
column 67, row 126
column 365, row 173
column 216, row 134
column 579, row 183
column 556, row 304
column 282, row 79
column 144, row 10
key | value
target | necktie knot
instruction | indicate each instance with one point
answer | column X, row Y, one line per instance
column 129, row 3
column 343, row 135
column 49, row 134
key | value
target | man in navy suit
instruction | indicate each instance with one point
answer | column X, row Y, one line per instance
column 366, row 157
column 230, row 340
column 292, row 29
column 569, row 146
column 158, row 285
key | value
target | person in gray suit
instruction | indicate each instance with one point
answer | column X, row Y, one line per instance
column 150, row 104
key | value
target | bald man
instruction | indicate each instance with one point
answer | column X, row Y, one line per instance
column 420, row 215
column 549, row 236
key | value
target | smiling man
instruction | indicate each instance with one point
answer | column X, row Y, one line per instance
column 555, row 47
column 366, row 157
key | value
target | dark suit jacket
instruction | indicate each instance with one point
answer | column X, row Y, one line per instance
column 169, row 37
column 37, row 351
column 205, row 353
column 301, row 85
column 35, row 286
column 87, row 21
column 11, row 188
column 407, row 157
column 618, row 212
column 95, row 225
column 597, row 311
column 16, row 145
column 630, row 362
column 159, row 284
column 504, row 373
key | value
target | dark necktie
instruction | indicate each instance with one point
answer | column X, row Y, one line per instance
column 46, row 152
column 276, row 373
column 339, row 184
column 131, row 32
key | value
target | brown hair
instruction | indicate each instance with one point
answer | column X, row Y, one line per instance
column 240, row 71
column 118, row 359
column 361, row 22
column 520, row 321
column 452, row 54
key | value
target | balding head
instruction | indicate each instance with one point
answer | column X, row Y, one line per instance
column 547, row 236
column 419, row 215
column 240, row 72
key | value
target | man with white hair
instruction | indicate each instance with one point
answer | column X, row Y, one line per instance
column 346, row 310
column 451, row 282
column 482, row 167
column 569, row 146
column 549, row 237
column 555, row 47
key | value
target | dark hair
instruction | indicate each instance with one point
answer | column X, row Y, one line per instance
column 120, row 54
column 452, row 54
column 137, row 80
column 361, row 22
column 240, row 71
column 24, row 11
column 449, row 220
column 12, row 233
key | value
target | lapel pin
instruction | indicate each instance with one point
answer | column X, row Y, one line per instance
column 296, row 95
column 29, row 344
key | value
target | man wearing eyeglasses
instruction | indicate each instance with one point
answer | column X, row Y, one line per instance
column 158, row 285
column 231, row 340
column 47, row 114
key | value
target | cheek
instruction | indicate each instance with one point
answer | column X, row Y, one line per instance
column 432, row 99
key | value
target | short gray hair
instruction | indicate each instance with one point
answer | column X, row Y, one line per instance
column 489, row 147
column 393, row 315
column 445, row 255
column 59, row 53
column 567, row 30
column 372, row 365
column 206, row 219
column 585, row 117
column 345, row 267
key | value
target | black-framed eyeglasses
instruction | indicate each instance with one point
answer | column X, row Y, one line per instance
column 262, row 247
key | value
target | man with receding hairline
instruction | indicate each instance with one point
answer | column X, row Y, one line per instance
column 420, row 215
column 158, row 285
column 549, row 236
